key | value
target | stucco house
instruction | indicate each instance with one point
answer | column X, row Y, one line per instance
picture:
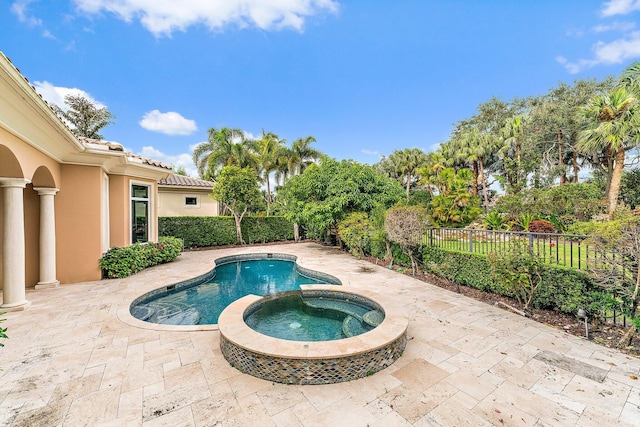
column 64, row 200
column 185, row 196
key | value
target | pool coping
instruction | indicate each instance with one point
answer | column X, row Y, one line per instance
column 233, row 328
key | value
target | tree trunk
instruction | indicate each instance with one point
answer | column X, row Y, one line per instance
column 413, row 261
column 408, row 182
column 268, row 194
column 563, row 175
column 575, row 167
column 296, row 232
column 518, row 156
column 485, row 190
column 476, row 173
column 616, row 177
column 388, row 257
column 238, row 219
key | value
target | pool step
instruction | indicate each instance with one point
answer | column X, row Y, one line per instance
column 352, row 327
column 331, row 304
column 373, row 318
column 188, row 317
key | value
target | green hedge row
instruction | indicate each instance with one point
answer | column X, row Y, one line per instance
column 123, row 262
column 221, row 230
column 563, row 289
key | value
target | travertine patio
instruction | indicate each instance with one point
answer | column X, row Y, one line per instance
column 72, row 360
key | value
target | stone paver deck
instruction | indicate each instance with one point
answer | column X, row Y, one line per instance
column 71, row 360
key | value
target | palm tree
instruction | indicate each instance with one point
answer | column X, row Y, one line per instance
column 220, row 150
column 612, row 127
column 430, row 174
column 513, row 133
column 302, row 155
column 270, row 155
column 407, row 162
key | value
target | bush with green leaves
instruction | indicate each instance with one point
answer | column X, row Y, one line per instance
column 123, row 262
column 203, row 231
column 519, row 271
column 406, row 226
column 522, row 222
column 495, row 221
column 355, row 232
column 561, row 288
column 561, row 205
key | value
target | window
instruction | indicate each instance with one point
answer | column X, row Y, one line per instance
column 139, row 213
column 191, row 201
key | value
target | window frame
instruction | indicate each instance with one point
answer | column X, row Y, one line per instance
column 150, row 209
column 188, row 206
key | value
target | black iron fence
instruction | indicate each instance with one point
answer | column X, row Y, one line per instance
column 568, row 250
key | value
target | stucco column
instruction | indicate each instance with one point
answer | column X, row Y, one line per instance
column 13, row 254
column 47, row 238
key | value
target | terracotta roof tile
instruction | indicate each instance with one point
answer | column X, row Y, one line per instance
column 185, row 181
column 114, row 146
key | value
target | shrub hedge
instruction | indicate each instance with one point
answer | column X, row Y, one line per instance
column 562, row 289
column 221, row 230
column 123, row 262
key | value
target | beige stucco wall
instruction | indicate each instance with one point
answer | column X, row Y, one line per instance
column 119, row 235
column 32, row 235
column 30, row 159
column 171, row 202
column 20, row 160
column 78, row 223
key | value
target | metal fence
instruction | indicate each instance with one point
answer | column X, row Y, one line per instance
column 568, row 250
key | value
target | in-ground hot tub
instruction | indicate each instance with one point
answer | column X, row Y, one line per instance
column 355, row 355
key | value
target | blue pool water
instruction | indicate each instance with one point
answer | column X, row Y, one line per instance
column 294, row 317
column 203, row 303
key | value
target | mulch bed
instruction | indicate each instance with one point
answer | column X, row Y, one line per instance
column 607, row 335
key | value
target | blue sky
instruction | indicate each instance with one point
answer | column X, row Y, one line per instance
column 364, row 77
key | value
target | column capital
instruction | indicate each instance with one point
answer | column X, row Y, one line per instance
column 14, row 182
column 44, row 191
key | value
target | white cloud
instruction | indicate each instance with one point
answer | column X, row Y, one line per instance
column 614, row 52
column 47, row 35
column 170, row 123
column 19, row 8
column 55, row 94
column 183, row 159
column 162, row 17
column 615, row 26
column 620, row 7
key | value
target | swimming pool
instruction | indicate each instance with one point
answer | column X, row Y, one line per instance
column 200, row 301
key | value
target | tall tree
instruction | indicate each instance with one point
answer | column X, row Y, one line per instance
column 224, row 147
column 84, row 117
column 455, row 205
column 511, row 151
column 407, row 162
column 469, row 147
column 237, row 188
column 430, row 173
column 554, row 126
column 302, row 154
column 612, row 127
column 327, row 192
column 270, row 154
